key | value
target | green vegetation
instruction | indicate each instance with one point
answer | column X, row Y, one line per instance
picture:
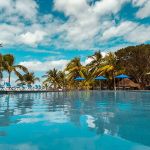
column 136, row 62
column 133, row 61
column 7, row 64
column 28, row 78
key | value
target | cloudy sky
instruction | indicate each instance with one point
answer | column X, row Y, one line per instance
column 44, row 34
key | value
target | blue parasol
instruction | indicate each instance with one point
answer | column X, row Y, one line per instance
column 100, row 78
column 79, row 79
column 122, row 76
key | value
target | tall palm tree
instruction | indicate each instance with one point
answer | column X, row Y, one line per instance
column 89, row 79
column 28, row 78
column 9, row 66
column 111, row 67
column 96, row 60
column 74, row 68
column 62, row 79
column 52, row 78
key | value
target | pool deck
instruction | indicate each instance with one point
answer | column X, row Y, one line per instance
column 26, row 91
column 46, row 91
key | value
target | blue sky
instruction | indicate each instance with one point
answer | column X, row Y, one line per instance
column 44, row 34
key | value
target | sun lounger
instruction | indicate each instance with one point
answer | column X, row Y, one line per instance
column 8, row 86
column 30, row 87
column 38, row 87
column 2, row 87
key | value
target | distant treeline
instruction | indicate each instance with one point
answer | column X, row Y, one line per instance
column 133, row 61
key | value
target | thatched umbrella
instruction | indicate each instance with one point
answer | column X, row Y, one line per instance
column 128, row 83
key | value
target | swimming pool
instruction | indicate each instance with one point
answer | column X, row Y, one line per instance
column 87, row 120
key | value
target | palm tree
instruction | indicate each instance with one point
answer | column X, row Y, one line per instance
column 112, row 64
column 89, row 79
column 74, row 68
column 96, row 60
column 9, row 66
column 52, row 78
column 111, row 67
column 62, row 79
column 28, row 78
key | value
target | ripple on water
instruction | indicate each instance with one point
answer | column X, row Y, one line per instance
column 104, row 120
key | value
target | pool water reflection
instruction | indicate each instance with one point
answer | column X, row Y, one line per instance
column 90, row 120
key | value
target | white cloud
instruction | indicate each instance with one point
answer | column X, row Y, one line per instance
column 129, row 31
column 121, row 30
column 141, row 34
column 14, row 30
column 9, row 33
column 85, row 21
column 144, row 6
column 87, row 25
column 144, row 11
column 27, row 8
column 20, row 34
column 82, row 26
column 138, row 2
column 71, row 7
column 108, row 6
column 78, row 7
column 45, row 66
column 30, row 38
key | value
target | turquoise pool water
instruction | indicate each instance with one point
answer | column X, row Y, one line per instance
column 75, row 121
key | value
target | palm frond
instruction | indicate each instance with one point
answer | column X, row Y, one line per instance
column 21, row 67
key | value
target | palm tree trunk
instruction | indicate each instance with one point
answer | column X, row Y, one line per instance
column 114, row 81
column 9, row 76
column 54, row 86
column 114, row 84
column 100, row 85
